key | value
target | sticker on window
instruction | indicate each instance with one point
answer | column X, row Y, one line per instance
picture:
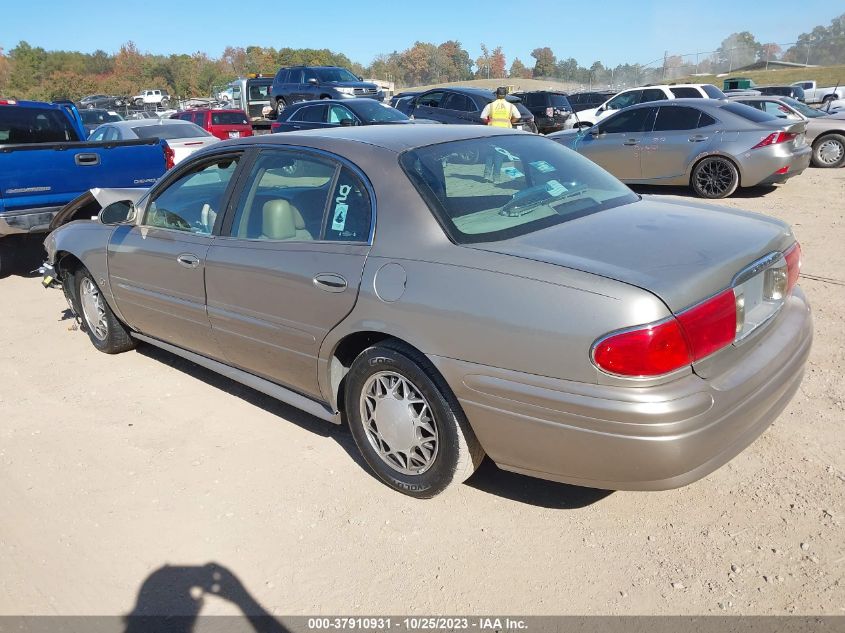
column 542, row 166
column 555, row 188
column 512, row 173
column 340, row 208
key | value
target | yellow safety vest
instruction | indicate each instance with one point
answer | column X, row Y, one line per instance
column 500, row 113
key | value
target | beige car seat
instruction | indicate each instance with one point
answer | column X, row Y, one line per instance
column 283, row 221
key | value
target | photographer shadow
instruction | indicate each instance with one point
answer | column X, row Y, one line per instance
column 171, row 598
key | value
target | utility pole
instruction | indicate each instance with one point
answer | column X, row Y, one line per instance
column 665, row 58
column 807, row 63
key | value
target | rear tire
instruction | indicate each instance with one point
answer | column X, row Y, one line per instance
column 104, row 329
column 407, row 423
column 829, row 151
column 714, row 177
column 281, row 104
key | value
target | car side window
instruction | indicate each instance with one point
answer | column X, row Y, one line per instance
column 457, row 102
column 624, row 100
column 311, row 114
column 191, row 203
column 652, row 94
column 338, row 113
column 111, row 134
column 432, row 99
column 308, row 74
column 285, row 197
column 670, row 118
column 628, row 122
column 776, row 109
column 705, row 120
column 350, row 213
column 98, row 135
column 685, row 93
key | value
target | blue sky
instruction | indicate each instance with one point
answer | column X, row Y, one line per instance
column 607, row 30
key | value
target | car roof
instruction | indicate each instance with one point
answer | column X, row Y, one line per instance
column 698, row 103
column 238, row 110
column 549, row 92
column 144, row 122
column 396, row 138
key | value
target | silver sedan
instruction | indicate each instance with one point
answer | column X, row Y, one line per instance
column 183, row 137
column 825, row 132
column 454, row 291
column 713, row 146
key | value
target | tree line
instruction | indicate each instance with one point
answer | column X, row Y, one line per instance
column 31, row 72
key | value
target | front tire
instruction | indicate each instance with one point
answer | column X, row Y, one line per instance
column 714, row 177
column 106, row 332
column 407, row 423
column 829, row 151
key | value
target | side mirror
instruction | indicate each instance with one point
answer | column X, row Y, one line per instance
column 595, row 132
column 117, row 213
column 601, row 110
column 312, row 81
column 360, row 78
column 347, row 122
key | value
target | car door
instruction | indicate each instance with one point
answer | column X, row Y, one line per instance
column 309, row 117
column 458, row 108
column 288, row 265
column 615, row 143
column 307, row 89
column 679, row 135
column 157, row 266
column 428, row 106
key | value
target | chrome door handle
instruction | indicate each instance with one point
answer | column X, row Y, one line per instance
column 631, row 141
column 330, row 282
column 698, row 138
column 188, row 260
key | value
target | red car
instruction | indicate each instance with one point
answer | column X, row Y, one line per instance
column 223, row 124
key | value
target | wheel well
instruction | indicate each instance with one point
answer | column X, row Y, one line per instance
column 325, row 96
column 345, row 353
column 66, row 262
column 727, row 158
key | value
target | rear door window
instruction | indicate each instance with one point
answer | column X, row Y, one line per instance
column 671, row 118
column 455, row 101
column 652, row 94
column 431, row 99
column 311, row 114
column 350, row 212
column 685, row 93
column 34, row 125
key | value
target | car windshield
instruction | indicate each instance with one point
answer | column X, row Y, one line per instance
column 228, row 118
column 560, row 102
column 374, row 112
column 803, row 108
column 499, row 187
column 95, row 117
column 169, row 131
column 331, row 75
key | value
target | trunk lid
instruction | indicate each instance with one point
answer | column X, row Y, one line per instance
column 683, row 253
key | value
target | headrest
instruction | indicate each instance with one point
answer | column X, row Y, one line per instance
column 281, row 220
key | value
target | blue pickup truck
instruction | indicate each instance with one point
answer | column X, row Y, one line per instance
column 45, row 163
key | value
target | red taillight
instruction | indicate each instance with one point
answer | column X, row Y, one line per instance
column 8, row 102
column 782, row 170
column 659, row 349
column 169, row 156
column 711, row 325
column 648, row 351
column 775, row 138
column 793, row 265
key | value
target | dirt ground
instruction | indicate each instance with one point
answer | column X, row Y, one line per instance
column 121, row 477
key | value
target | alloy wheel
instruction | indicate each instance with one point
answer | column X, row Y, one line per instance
column 714, row 177
column 399, row 423
column 93, row 309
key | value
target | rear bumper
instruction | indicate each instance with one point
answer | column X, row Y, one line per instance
column 760, row 168
column 623, row 438
column 28, row 221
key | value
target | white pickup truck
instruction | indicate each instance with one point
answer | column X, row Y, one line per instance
column 814, row 94
column 152, row 97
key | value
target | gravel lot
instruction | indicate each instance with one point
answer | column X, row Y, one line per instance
column 140, row 469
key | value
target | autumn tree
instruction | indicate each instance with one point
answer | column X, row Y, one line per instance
column 498, row 63
column 544, row 65
column 737, row 50
column 519, row 70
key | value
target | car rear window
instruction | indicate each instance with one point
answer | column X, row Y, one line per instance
column 374, row 112
column 498, row 187
column 685, row 93
column 19, row 124
column 712, row 91
column 228, row 118
column 560, row 102
column 747, row 112
column 170, row 131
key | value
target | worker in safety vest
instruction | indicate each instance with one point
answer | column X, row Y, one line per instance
column 498, row 113
column 501, row 112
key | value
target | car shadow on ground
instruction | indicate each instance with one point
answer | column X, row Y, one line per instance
column 686, row 192
column 171, row 598
column 22, row 256
column 489, row 478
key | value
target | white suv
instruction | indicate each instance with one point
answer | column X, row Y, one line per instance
column 588, row 118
